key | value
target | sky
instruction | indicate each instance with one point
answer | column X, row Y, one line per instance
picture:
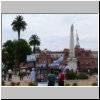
column 54, row 29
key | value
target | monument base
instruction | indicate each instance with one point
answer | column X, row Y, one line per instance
column 72, row 64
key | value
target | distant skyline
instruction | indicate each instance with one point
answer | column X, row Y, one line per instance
column 54, row 29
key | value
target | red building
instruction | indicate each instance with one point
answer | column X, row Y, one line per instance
column 86, row 58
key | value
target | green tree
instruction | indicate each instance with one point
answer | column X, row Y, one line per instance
column 24, row 49
column 8, row 52
column 82, row 76
column 18, row 25
column 34, row 41
column 70, row 74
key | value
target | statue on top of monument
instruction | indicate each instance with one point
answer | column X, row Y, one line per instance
column 77, row 40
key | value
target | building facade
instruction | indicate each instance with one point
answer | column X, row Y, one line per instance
column 86, row 58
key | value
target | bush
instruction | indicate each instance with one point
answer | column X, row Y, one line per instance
column 67, row 84
column 18, row 83
column 82, row 76
column 32, row 84
column 12, row 83
column 95, row 84
column 75, row 84
column 3, row 83
column 70, row 74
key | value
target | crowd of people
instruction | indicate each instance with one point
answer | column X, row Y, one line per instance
column 52, row 78
column 31, row 74
column 7, row 75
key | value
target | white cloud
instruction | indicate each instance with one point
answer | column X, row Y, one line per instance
column 54, row 29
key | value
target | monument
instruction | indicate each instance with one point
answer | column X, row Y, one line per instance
column 72, row 61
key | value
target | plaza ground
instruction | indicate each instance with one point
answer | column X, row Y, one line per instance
column 24, row 82
column 85, row 82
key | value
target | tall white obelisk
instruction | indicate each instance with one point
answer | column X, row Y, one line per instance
column 72, row 61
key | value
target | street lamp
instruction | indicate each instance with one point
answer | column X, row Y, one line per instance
column 46, row 52
column 5, row 55
column 15, row 65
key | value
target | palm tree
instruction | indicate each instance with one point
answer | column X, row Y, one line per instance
column 18, row 24
column 34, row 41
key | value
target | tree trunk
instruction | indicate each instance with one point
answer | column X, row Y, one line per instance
column 18, row 53
column 16, row 65
column 34, row 53
column 34, row 49
column 18, row 35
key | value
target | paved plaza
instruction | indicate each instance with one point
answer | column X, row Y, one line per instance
column 25, row 81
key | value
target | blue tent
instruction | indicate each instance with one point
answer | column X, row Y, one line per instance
column 41, row 65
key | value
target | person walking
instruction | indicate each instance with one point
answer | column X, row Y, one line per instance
column 61, row 78
column 51, row 79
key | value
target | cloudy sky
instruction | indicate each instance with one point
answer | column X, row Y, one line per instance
column 54, row 29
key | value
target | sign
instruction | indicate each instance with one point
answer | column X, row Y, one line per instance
column 31, row 58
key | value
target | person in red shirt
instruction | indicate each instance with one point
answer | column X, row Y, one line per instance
column 61, row 78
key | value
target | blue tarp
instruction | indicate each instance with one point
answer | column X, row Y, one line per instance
column 41, row 65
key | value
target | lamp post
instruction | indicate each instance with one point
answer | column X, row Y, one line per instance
column 5, row 55
column 46, row 52
column 15, row 70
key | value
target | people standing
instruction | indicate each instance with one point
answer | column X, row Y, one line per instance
column 32, row 75
column 9, row 75
column 28, row 73
column 61, row 78
column 5, row 74
column 2, row 75
column 51, row 79
column 21, row 75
